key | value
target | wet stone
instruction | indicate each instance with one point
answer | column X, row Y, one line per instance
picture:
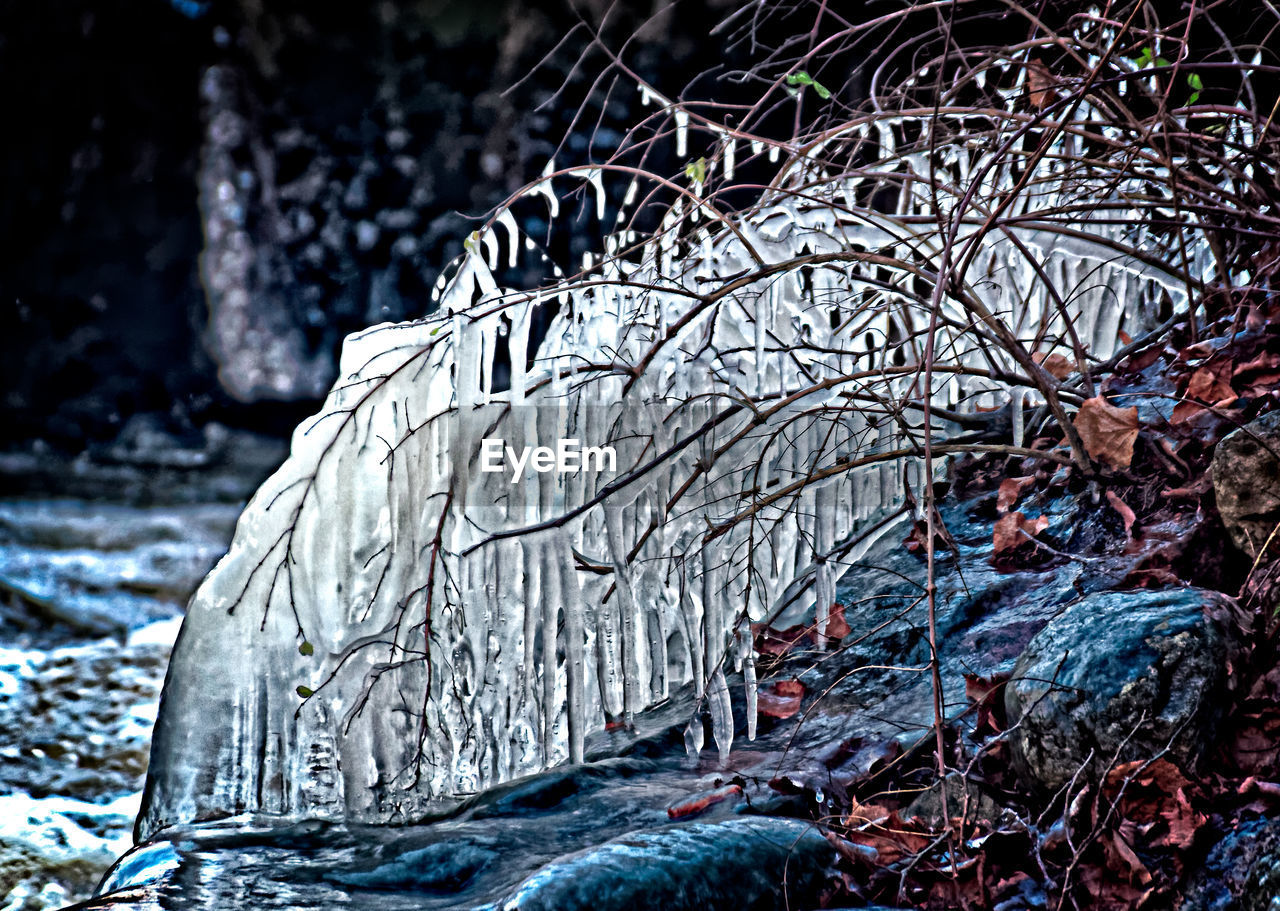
column 1120, row 676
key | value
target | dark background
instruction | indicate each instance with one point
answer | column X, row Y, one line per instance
column 198, row 200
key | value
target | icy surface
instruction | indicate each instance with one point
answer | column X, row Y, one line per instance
column 394, row 626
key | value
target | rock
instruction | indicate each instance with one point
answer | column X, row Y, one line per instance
column 1241, row 873
column 964, row 798
column 1120, row 673
column 739, row 864
column 1246, row 481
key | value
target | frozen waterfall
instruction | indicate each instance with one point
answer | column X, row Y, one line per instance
column 395, row 625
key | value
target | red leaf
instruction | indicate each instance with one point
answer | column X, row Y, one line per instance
column 1010, row 490
column 1011, row 531
column 780, row 699
column 837, row 626
column 703, row 801
column 1056, row 365
column 1126, row 514
column 1108, row 432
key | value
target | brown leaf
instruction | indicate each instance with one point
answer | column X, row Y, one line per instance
column 1108, row 432
column 1011, row 531
column 1154, row 798
column 1056, row 365
column 1041, row 86
column 770, row 641
column 862, row 813
column 988, row 694
column 1010, row 490
column 1126, row 514
column 1259, row 376
column 700, row 802
column 780, row 699
column 837, row 626
column 917, row 541
column 1211, row 383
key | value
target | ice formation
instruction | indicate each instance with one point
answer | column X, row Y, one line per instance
column 394, row 625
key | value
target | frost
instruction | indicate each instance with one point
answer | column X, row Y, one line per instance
column 756, row 381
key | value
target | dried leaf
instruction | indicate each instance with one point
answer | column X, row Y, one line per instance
column 1154, row 800
column 776, row 642
column 1012, row 530
column 1010, row 490
column 780, row 699
column 704, row 801
column 1108, row 432
column 837, row 626
column 988, row 694
column 1056, row 365
column 1126, row 514
column 1041, row 86
column 1258, row 376
column 917, row 541
column 1211, row 383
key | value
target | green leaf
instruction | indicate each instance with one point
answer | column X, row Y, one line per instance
column 696, row 171
column 1148, row 58
column 436, row 330
column 472, row 243
column 305, row 691
column 800, row 77
column 306, row 648
column 1197, row 86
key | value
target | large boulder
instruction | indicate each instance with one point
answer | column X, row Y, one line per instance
column 1246, row 481
column 1119, row 676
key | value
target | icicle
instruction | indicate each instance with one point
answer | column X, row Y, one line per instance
column 721, row 709
column 507, row 220
column 1015, row 404
column 729, row 155
column 694, row 735
column 597, row 184
column 490, row 241
column 824, row 591
column 747, row 656
column 681, row 117
column 543, row 188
